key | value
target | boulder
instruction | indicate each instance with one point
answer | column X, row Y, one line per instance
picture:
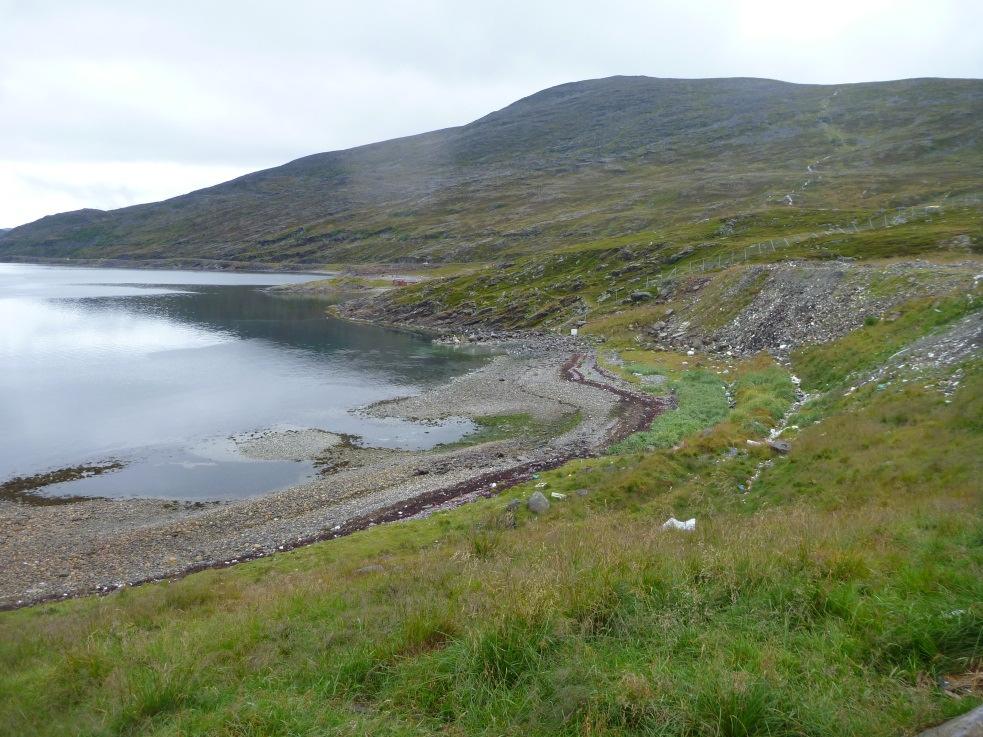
column 680, row 255
column 538, row 504
column 968, row 725
column 779, row 446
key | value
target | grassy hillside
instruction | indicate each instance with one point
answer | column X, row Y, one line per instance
column 831, row 590
column 575, row 163
column 834, row 590
column 593, row 281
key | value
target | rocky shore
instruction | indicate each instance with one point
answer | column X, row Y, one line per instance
column 97, row 545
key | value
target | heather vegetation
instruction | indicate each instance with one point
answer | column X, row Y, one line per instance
column 826, row 398
column 621, row 157
column 596, row 280
column 826, row 592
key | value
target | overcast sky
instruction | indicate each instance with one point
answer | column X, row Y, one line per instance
column 110, row 103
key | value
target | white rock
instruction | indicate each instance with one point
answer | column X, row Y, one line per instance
column 674, row 524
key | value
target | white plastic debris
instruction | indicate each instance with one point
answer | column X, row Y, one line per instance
column 540, row 485
column 674, row 524
column 558, row 495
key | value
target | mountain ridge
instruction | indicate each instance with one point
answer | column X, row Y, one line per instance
column 577, row 160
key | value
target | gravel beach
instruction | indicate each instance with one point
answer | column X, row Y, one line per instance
column 94, row 545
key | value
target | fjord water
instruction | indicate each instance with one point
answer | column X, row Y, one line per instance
column 159, row 369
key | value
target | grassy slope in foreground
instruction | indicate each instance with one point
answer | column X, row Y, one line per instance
column 826, row 600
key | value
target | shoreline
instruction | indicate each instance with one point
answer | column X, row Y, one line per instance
column 95, row 546
column 380, row 270
column 177, row 264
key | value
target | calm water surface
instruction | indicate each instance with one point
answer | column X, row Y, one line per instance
column 159, row 368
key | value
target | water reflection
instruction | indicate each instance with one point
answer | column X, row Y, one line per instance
column 296, row 323
column 153, row 367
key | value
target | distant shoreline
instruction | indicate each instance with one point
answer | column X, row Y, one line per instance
column 172, row 264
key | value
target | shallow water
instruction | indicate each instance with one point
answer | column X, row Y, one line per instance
column 158, row 369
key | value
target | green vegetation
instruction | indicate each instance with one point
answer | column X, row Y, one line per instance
column 824, row 592
column 762, row 397
column 502, row 427
column 594, row 280
column 824, row 366
column 334, row 290
column 358, row 282
column 702, row 403
column 823, row 597
column 612, row 159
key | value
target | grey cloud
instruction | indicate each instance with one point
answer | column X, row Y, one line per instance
column 251, row 84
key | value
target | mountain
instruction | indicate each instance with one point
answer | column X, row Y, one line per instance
column 571, row 163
